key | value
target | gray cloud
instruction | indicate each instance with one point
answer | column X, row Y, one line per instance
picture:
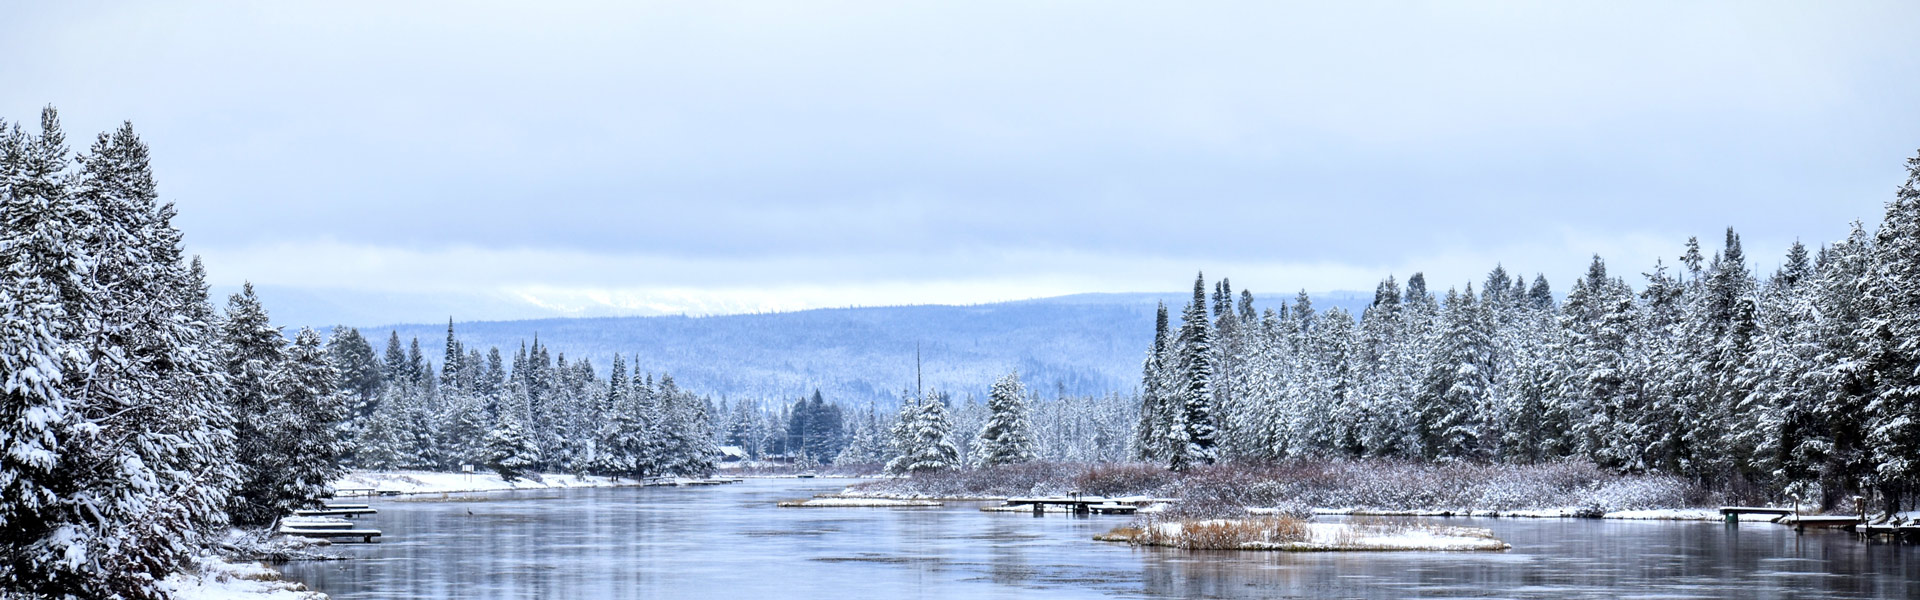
column 877, row 145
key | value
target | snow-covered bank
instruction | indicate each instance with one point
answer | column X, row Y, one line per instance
column 1658, row 514
column 1291, row 535
column 215, row 578
column 857, row 503
column 428, row 482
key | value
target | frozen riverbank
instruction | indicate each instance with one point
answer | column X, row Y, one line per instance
column 1357, row 487
column 428, row 482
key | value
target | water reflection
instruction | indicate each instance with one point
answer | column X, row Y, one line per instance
column 731, row 542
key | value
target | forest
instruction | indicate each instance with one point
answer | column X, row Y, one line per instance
column 1799, row 383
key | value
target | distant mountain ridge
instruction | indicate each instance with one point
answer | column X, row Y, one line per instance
column 1080, row 344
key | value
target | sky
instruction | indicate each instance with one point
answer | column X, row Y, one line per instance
column 415, row 160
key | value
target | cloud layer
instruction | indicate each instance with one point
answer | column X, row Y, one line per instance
column 710, row 156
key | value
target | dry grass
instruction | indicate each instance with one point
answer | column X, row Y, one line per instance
column 1223, row 534
column 1119, row 534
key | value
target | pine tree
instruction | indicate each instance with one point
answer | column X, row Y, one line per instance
column 509, row 452
column 1893, row 345
column 1195, row 352
column 1149, row 437
column 1007, row 437
column 256, row 351
column 924, row 438
column 1458, row 386
column 353, row 358
column 119, row 447
column 304, row 448
column 395, row 364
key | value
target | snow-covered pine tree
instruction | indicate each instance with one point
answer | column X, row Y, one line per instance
column 1149, row 442
column 509, row 452
column 1457, row 390
column 1599, row 316
column 1195, row 394
column 924, row 438
column 304, row 450
column 255, row 351
column 394, row 364
column 1782, row 428
column 359, row 370
column 1847, row 382
column 1650, row 439
column 1007, row 437
column 120, row 450
column 1893, row 345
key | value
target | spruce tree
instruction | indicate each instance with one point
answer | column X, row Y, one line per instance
column 1007, row 437
column 1892, row 339
column 1196, row 396
column 255, row 353
column 508, row 450
column 924, row 438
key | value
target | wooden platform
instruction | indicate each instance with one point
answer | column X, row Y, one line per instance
column 1905, row 533
column 334, row 512
column 367, row 536
column 1821, row 522
column 1089, row 504
column 1756, row 510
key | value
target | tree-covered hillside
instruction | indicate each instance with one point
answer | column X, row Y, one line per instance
column 1088, row 343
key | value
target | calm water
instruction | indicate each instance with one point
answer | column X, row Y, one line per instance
column 732, row 542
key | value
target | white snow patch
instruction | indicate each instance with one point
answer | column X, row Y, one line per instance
column 216, row 579
column 858, row 502
column 1348, row 537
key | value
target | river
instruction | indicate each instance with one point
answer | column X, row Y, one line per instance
column 731, row 541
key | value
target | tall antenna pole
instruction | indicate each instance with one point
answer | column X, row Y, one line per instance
column 916, row 370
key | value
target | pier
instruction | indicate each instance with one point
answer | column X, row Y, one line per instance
column 1081, row 505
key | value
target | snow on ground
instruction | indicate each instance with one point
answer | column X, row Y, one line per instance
column 1662, row 514
column 857, row 502
column 216, row 579
column 1344, row 537
column 427, row 482
column 913, row 496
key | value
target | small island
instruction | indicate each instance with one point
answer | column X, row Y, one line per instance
column 1288, row 534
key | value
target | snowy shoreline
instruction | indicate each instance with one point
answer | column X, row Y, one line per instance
column 1282, row 534
column 1657, row 514
column 408, row 483
column 217, row 578
column 858, row 503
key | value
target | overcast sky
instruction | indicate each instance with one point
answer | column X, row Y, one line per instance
column 740, row 156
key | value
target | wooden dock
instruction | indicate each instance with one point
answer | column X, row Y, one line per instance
column 1732, row 513
column 1082, row 505
column 335, row 512
column 1903, row 533
column 367, row 536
